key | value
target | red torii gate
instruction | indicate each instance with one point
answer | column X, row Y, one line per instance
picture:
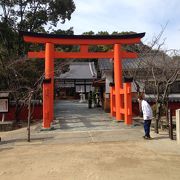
column 119, row 105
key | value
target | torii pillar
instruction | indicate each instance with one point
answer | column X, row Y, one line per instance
column 48, row 86
column 118, row 81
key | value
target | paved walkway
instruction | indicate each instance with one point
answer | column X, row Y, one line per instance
column 76, row 123
column 80, row 124
column 75, row 116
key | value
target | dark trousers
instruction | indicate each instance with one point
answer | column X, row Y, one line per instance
column 147, row 124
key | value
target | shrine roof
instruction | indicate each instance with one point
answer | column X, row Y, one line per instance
column 80, row 70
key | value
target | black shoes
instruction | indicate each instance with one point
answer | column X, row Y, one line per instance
column 147, row 137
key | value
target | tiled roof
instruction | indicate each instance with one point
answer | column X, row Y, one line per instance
column 160, row 60
column 171, row 98
column 106, row 64
column 80, row 70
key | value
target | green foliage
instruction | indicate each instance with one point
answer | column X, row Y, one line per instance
column 8, row 41
column 32, row 15
column 69, row 31
column 21, row 74
column 27, row 15
column 123, row 32
column 105, row 48
column 16, row 73
column 102, row 33
column 89, row 33
column 29, row 71
column 65, row 48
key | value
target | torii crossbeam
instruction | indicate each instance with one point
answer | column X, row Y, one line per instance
column 120, row 96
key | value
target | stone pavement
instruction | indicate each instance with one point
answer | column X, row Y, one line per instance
column 76, row 123
column 75, row 116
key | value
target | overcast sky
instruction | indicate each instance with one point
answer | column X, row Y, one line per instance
column 129, row 15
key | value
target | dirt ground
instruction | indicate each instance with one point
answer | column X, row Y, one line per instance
column 94, row 161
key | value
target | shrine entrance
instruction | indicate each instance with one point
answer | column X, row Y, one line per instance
column 120, row 94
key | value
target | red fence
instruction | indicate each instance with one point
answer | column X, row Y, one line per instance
column 37, row 112
column 23, row 115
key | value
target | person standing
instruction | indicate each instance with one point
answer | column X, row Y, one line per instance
column 90, row 99
column 147, row 116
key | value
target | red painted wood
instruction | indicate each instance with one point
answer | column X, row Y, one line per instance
column 82, row 55
column 43, row 40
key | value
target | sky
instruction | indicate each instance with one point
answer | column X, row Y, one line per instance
column 149, row 16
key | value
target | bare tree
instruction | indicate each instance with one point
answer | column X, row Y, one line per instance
column 165, row 69
column 156, row 70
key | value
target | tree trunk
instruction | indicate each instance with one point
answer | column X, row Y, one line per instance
column 156, row 130
column 157, row 119
column 29, row 117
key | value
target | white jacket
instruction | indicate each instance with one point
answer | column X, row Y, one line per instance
column 146, row 109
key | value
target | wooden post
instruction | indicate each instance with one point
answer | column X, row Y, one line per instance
column 48, row 86
column 178, row 126
column 29, row 116
column 118, row 80
column 170, row 124
column 111, row 101
column 128, row 103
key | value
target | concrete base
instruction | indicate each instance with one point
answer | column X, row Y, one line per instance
column 6, row 126
column 120, row 121
column 47, row 129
